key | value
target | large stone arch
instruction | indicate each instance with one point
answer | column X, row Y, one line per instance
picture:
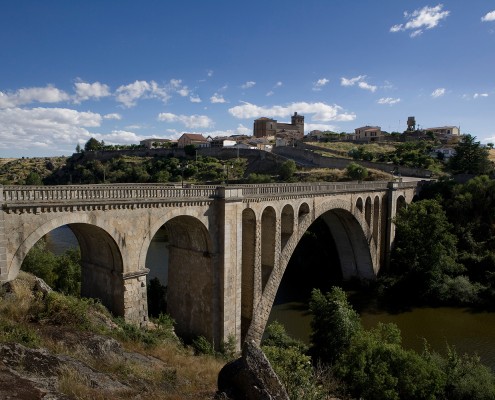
column 101, row 257
column 191, row 290
column 353, row 238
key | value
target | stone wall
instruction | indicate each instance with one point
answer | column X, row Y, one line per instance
column 306, row 152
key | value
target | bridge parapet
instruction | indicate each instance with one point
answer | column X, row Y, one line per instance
column 46, row 198
column 305, row 189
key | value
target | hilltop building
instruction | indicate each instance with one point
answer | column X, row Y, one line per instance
column 192, row 139
column 264, row 127
column 367, row 134
column 154, row 142
column 444, row 130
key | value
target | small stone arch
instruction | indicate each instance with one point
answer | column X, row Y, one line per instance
column 268, row 243
column 367, row 211
column 286, row 224
column 359, row 204
column 248, row 267
column 376, row 219
column 400, row 204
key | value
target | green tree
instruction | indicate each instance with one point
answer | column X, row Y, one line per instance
column 356, row 171
column 376, row 367
column 470, row 157
column 287, row 170
column 33, row 178
column 333, row 325
column 93, row 145
column 424, row 251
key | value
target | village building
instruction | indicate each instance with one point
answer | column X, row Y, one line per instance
column 367, row 134
column 154, row 143
column 194, row 139
column 264, row 127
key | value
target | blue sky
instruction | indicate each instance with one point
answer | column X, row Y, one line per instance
column 122, row 71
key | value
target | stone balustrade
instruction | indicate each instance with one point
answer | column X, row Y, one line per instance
column 139, row 193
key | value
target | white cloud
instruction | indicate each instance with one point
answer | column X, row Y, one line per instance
column 476, row 95
column 85, row 91
column 319, row 127
column 321, row 111
column 47, row 94
column 421, row 19
column 438, row 92
column 113, row 116
column 278, row 84
column 319, row 84
column 240, row 130
column 209, row 73
column 359, row 80
column 119, row 137
column 351, row 81
column 489, row 17
column 248, row 85
column 270, row 93
column 388, row 100
column 194, row 99
column 176, row 85
column 49, row 128
column 189, row 121
column 129, row 94
column 367, row 86
column 217, row 98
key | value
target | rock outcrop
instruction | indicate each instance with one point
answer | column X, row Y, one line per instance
column 250, row 377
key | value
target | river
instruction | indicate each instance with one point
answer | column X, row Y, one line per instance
column 470, row 332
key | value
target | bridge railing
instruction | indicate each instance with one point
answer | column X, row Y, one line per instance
column 139, row 192
column 118, row 192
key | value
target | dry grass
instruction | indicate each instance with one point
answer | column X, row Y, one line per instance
column 171, row 371
column 345, row 147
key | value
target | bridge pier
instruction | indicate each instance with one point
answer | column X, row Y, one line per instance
column 135, row 303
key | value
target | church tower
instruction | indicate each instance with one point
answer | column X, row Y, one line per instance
column 298, row 121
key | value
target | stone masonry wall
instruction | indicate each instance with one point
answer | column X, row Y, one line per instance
column 306, row 153
column 135, row 301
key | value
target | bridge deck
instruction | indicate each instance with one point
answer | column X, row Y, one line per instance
column 117, row 193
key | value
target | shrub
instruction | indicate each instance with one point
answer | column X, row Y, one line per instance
column 356, row 172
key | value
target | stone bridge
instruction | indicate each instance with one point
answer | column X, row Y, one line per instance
column 228, row 246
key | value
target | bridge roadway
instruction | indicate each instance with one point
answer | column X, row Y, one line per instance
column 228, row 245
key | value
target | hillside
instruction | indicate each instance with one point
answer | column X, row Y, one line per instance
column 58, row 347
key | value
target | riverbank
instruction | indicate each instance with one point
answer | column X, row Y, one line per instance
column 53, row 346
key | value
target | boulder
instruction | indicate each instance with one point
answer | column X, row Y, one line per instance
column 250, row 377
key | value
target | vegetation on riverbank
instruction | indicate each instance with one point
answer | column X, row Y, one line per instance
column 351, row 362
column 96, row 353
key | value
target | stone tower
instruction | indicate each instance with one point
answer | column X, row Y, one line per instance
column 298, row 121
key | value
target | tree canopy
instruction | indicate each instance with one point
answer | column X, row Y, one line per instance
column 470, row 158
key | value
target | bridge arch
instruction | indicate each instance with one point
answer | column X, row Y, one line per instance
column 352, row 237
column 286, row 224
column 191, row 291
column 101, row 257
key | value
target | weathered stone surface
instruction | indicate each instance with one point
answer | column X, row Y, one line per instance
column 250, row 377
column 39, row 366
